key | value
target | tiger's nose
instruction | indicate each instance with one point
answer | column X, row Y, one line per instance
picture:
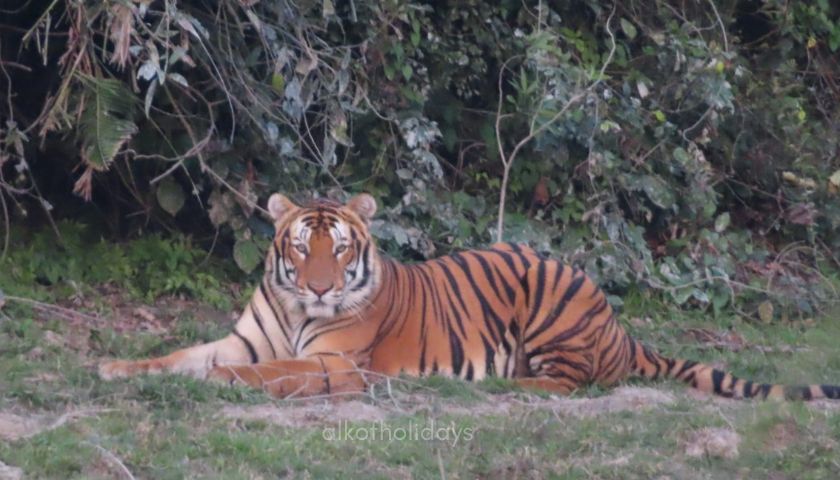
column 319, row 289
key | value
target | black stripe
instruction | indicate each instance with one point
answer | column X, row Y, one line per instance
column 326, row 376
column 538, row 294
column 747, row 389
column 301, row 331
column 688, row 364
column 831, row 391
column 651, row 358
column 457, row 353
column 424, row 305
column 449, row 309
column 488, row 313
column 558, row 275
column 509, row 290
column 277, row 315
column 258, row 319
column 431, row 293
column 278, row 268
column 717, row 380
column 581, row 324
column 248, row 345
column 764, row 388
column 453, row 284
column 508, row 259
column 485, row 267
column 489, row 357
column 366, row 272
column 422, row 367
column 571, row 291
column 691, row 379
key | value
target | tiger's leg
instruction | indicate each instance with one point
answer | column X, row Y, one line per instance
column 316, row 375
column 195, row 361
column 559, row 370
column 562, row 386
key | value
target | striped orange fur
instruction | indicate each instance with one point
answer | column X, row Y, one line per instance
column 331, row 314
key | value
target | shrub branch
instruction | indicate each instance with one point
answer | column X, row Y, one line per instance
column 534, row 130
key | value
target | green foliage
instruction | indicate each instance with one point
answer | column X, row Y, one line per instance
column 678, row 148
column 147, row 267
column 106, row 123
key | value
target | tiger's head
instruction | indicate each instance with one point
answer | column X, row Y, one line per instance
column 323, row 260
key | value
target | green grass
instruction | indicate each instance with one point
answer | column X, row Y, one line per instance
column 172, row 427
column 43, row 266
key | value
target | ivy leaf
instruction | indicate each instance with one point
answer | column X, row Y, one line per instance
column 246, row 255
column 147, row 71
column 178, row 78
column 835, row 178
column 328, row 9
column 660, row 116
column 656, row 189
column 150, row 95
column 278, row 83
column 170, row 196
column 721, row 222
column 628, row 28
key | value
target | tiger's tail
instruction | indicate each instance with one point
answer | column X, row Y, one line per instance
column 648, row 364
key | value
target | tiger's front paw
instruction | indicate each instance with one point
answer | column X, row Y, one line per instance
column 116, row 369
column 225, row 375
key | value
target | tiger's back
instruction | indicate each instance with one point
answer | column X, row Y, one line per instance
column 505, row 311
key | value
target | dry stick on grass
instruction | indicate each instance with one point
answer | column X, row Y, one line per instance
column 115, row 459
column 65, row 313
column 507, row 160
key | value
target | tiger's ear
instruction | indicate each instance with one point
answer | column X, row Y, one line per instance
column 279, row 205
column 364, row 205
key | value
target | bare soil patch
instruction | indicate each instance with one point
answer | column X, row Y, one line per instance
column 301, row 414
column 15, row 427
column 713, row 442
column 8, row 472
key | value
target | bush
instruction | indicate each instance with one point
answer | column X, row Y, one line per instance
column 674, row 148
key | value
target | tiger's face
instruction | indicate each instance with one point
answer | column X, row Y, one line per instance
column 322, row 260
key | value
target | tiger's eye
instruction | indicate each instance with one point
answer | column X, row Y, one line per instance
column 300, row 248
column 340, row 249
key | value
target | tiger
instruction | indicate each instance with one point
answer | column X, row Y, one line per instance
column 332, row 315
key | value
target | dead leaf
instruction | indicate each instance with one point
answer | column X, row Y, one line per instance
column 84, row 185
column 765, row 311
column 53, row 339
column 145, row 314
column 122, row 26
column 308, row 60
column 727, row 339
column 801, row 214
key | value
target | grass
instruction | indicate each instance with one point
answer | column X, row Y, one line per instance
column 176, row 427
column 170, row 427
